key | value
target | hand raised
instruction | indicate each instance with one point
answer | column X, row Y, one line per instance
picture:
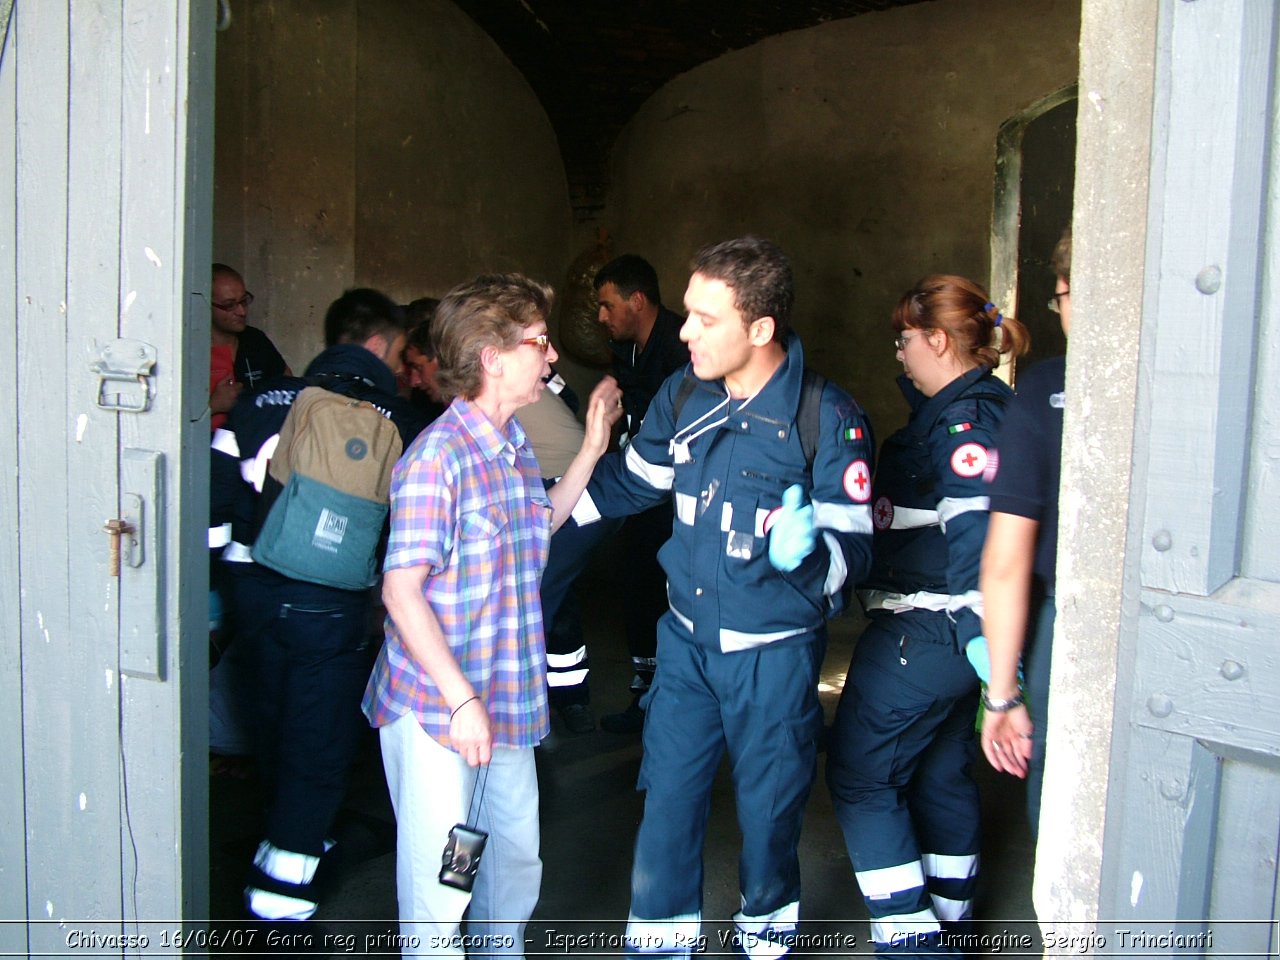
column 792, row 538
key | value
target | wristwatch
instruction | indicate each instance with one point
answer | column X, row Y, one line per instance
column 1002, row 706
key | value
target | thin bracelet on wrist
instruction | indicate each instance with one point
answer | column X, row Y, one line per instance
column 454, row 712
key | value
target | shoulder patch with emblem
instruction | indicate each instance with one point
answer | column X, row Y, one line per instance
column 969, row 460
column 882, row 513
column 857, row 481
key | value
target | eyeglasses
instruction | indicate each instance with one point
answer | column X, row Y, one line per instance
column 900, row 343
column 230, row 305
column 1055, row 302
column 541, row 341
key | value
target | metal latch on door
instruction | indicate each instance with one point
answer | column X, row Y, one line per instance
column 126, row 537
column 124, row 375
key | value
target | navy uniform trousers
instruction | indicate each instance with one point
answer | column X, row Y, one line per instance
column 899, row 769
column 312, row 650
column 761, row 705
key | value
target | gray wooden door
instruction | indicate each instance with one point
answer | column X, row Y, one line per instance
column 1193, row 822
column 104, row 259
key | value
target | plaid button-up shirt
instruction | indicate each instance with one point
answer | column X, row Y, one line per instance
column 468, row 504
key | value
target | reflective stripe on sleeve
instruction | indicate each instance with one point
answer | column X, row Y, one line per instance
column 254, row 469
column 912, row 518
column 658, row 477
column 951, row 507
column 584, row 511
column 837, row 569
column 224, row 441
column 842, row 517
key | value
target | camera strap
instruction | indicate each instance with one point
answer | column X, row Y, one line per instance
column 473, row 805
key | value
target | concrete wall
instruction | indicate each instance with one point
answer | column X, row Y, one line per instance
column 389, row 143
column 384, row 143
column 865, row 148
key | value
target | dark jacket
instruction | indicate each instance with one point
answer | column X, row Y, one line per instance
column 641, row 373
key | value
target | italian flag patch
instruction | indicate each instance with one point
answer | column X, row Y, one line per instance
column 959, row 427
column 852, row 433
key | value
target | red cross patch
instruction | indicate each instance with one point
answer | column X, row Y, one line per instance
column 857, row 481
column 969, row 459
column 882, row 513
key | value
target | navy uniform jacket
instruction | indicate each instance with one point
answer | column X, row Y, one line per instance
column 243, row 448
column 641, row 373
column 930, row 503
column 727, row 465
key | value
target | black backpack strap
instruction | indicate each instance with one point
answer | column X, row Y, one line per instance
column 809, row 414
column 688, row 384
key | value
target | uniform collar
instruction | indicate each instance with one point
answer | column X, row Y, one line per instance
column 924, row 410
column 779, row 399
column 487, row 437
column 353, row 360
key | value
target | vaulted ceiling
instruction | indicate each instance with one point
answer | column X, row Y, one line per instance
column 593, row 64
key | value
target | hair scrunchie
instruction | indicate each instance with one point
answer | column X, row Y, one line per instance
column 988, row 307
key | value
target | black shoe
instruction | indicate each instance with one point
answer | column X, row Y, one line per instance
column 630, row 720
column 577, row 718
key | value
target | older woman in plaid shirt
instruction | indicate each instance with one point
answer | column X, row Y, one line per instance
column 461, row 678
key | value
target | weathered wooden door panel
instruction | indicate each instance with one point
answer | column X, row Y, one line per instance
column 1195, row 769
column 12, row 832
column 106, row 239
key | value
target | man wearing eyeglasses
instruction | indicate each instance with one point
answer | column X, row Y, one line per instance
column 243, row 357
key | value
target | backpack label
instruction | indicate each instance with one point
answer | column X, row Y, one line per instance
column 330, row 530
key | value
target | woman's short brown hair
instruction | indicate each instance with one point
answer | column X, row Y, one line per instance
column 961, row 308
column 492, row 310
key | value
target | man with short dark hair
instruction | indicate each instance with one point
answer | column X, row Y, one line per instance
column 767, row 531
column 645, row 339
column 310, row 643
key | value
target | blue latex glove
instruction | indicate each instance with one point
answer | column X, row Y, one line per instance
column 980, row 659
column 791, row 538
